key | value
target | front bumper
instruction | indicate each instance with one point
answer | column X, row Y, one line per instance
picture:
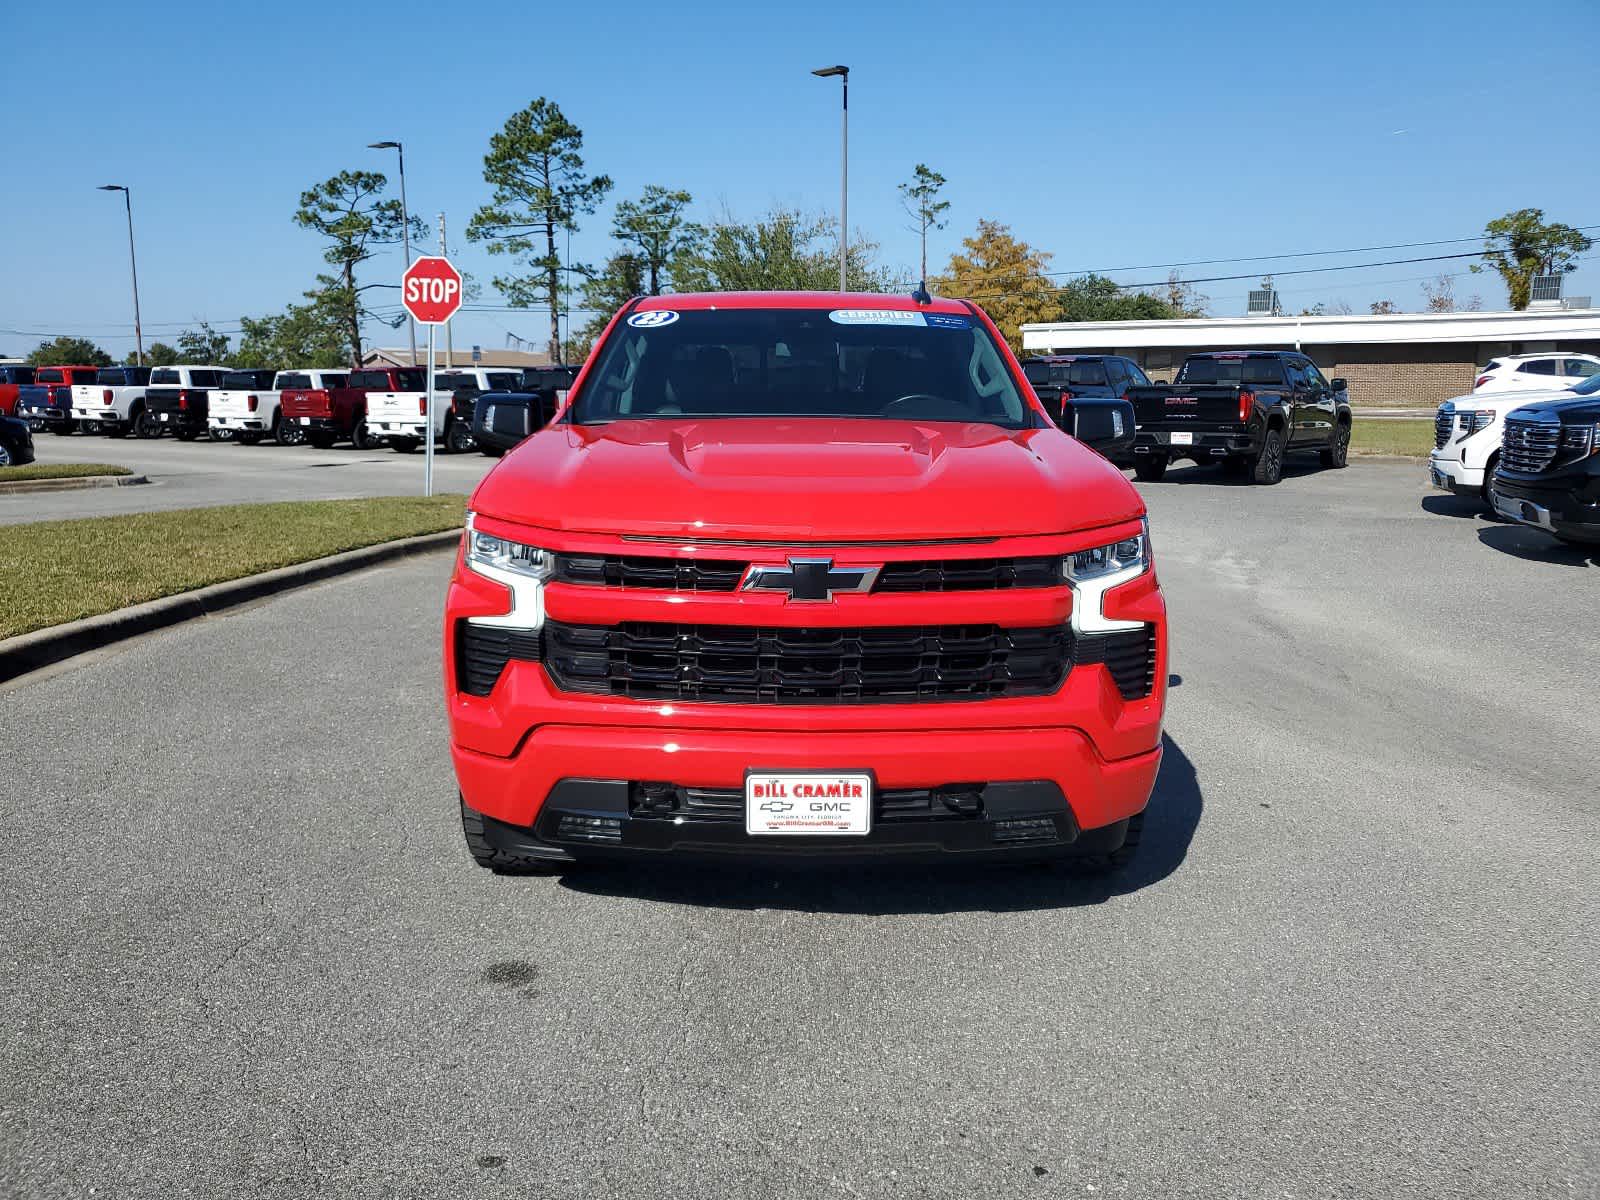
column 1453, row 475
column 1565, row 502
column 616, row 818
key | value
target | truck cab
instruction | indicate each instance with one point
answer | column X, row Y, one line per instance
column 114, row 401
column 399, row 417
column 1244, row 410
column 179, row 398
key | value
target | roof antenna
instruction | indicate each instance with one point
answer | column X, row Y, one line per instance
column 920, row 292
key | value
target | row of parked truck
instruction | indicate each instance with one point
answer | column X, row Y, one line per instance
column 367, row 407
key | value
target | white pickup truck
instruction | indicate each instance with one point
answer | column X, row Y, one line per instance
column 247, row 406
column 1467, row 432
column 114, row 401
column 397, row 417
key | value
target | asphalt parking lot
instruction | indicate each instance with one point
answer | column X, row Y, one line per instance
column 193, row 474
column 247, row 954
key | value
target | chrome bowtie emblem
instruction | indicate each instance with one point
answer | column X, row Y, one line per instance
column 810, row 579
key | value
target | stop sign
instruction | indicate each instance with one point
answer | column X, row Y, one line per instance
column 431, row 290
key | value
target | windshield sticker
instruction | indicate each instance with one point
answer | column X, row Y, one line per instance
column 875, row 316
column 653, row 320
column 944, row 321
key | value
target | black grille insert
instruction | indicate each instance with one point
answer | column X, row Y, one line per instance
column 753, row 665
column 1129, row 656
column 482, row 652
column 670, row 574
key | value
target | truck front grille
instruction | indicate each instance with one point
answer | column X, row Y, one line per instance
column 804, row 666
column 723, row 575
column 1529, row 447
column 1443, row 425
column 751, row 665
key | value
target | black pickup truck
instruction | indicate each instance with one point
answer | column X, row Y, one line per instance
column 1087, row 396
column 179, row 399
column 1244, row 410
column 1549, row 469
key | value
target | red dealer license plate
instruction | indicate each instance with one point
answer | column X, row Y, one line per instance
column 827, row 803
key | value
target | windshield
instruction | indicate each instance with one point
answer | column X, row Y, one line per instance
column 1588, row 387
column 1066, row 374
column 810, row 362
column 1231, row 370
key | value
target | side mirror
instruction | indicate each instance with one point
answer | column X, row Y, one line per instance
column 1340, row 385
column 1103, row 425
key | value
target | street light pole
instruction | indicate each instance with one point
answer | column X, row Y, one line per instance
column 133, row 263
column 843, row 73
column 405, row 225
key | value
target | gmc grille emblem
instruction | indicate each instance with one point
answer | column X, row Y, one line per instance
column 1171, row 400
column 810, row 579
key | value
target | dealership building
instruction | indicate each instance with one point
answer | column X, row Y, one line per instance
column 1394, row 359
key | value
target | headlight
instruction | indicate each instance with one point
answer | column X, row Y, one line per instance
column 1110, row 559
column 1475, row 420
column 487, row 550
column 1092, row 573
column 521, row 568
column 1578, row 439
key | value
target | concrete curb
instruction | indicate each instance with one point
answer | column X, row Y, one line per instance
column 30, row 651
column 11, row 487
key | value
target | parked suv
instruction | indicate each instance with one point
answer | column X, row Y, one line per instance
column 113, row 400
column 1549, row 470
column 804, row 575
column 1551, row 370
column 1468, row 432
column 179, row 399
column 1244, row 410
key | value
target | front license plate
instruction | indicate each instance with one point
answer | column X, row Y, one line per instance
column 1183, row 439
column 809, row 803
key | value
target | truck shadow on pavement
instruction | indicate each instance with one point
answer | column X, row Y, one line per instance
column 1455, row 506
column 889, row 889
column 1519, row 541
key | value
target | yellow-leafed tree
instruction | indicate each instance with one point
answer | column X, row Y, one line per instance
column 1006, row 277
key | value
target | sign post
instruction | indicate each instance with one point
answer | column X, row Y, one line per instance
column 430, row 289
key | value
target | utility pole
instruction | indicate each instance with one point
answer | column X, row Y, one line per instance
column 843, row 74
column 449, row 332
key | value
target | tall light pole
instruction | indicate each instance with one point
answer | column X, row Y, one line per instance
column 405, row 225
column 844, row 167
column 133, row 263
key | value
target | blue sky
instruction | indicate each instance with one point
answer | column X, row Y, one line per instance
column 1109, row 135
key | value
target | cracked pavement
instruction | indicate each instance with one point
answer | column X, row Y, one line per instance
column 246, row 954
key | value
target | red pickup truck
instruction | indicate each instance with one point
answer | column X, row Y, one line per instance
column 333, row 414
column 804, row 576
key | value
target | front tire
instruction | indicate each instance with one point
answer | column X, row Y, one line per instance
column 492, row 858
column 1337, row 453
column 5, row 455
column 146, row 427
column 1268, row 468
column 1150, row 469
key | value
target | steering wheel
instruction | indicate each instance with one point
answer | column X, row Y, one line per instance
column 926, row 406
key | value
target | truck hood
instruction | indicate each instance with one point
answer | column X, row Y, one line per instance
column 1503, row 401
column 1570, row 410
column 806, row 480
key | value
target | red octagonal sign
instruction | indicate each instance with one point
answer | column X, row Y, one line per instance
column 431, row 290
